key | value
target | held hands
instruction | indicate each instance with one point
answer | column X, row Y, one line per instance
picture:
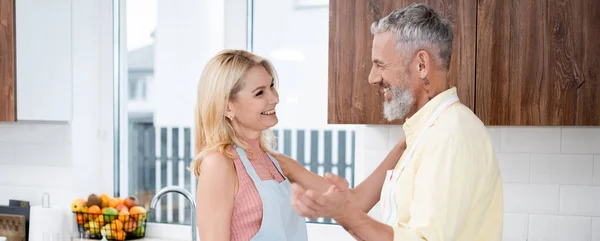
column 331, row 204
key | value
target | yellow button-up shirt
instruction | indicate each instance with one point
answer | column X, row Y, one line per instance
column 452, row 189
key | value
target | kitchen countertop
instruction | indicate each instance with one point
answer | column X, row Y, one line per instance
column 142, row 239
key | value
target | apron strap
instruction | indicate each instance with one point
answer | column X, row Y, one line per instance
column 249, row 168
column 276, row 163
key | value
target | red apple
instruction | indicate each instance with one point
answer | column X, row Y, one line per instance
column 130, row 202
column 122, row 207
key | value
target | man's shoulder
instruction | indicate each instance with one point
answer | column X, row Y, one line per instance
column 459, row 126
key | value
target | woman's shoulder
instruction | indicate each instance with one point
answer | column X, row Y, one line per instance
column 217, row 161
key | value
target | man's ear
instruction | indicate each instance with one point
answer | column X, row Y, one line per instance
column 424, row 63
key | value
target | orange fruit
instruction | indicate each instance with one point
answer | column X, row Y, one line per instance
column 104, row 198
column 120, row 235
column 80, row 219
column 116, row 225
column 94, row 210
column 113, row 202
column 124, row 216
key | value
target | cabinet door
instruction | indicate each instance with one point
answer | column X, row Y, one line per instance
column 7, row 61
column 44, row 67
column 352, row 100
column 538, row 62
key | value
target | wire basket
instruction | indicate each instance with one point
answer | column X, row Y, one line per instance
column 114, row 227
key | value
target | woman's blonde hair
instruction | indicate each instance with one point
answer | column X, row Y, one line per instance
column 221, row 80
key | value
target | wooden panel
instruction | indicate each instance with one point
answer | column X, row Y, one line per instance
column 538, row 62
column 7, row 61
column 352, row 100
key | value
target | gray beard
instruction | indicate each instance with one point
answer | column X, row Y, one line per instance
column 399, row 106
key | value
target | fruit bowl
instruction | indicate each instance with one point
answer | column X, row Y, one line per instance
column 116, row 218
column 116, row 227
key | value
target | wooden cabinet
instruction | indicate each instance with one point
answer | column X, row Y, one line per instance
column 7, row 61
column 514, row 62
column 35, row 60
column 352, row 100
column 538, row 62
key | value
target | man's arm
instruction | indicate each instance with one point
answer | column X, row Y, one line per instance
column 362, row 227
column 444, row 190
column 367, row 193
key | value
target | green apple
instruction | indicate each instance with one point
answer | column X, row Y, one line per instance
column 110, row 214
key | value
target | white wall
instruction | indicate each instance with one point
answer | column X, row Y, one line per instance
column 188, row 34
column 68, row 160
column 551, row 178
column 296, row 41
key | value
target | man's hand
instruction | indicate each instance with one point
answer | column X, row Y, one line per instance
column 332, row 203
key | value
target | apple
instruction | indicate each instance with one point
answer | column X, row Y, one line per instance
column 121, row 207
column 110, row 214
column 130, row 202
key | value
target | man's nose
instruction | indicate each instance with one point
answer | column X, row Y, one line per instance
column 374, row 76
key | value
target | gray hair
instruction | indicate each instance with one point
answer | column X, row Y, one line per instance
column 419, row 27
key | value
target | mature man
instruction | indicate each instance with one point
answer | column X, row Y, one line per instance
column 447, row 184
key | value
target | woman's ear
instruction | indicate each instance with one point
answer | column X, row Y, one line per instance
column 229, row 111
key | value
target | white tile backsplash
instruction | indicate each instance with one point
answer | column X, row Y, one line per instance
column 13, row 132
column 43, row 154
column 581, row 140
column 372, row 159
column 595, row 229
column 61, row 197
column 514, row 167
column 35, row 132
column 580, row 200
column 559, row 228
column 495, row 137
column 530, row 140
column 396, row 133
column 515, row 227
column 597, row 170
column 377, row 137
column 7, row 153
column 531, row 198
column 562, row 169
column 37, row 176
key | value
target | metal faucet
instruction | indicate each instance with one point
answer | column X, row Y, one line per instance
column 187, row 195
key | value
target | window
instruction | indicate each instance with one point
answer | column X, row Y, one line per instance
column 294, row 35
column 165, row 51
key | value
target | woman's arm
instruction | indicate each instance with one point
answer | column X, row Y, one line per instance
column 298, row 174
column 215, row 195
column 365, row 195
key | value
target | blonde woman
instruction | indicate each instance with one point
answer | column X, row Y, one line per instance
column 243, row 188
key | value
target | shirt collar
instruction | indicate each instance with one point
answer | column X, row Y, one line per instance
column 413, row 125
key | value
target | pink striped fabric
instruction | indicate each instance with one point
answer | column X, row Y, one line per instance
column 247, row 208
